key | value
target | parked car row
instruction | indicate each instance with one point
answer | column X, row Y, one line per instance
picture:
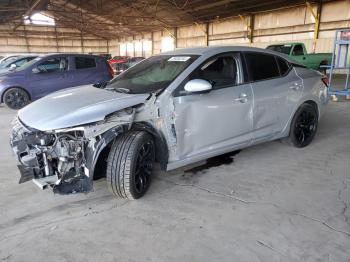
column 118, row 59
column 28, row 78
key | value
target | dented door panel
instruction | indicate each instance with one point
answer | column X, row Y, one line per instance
column 209, row 122
column 274, row 102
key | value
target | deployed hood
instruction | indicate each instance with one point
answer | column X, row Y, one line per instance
column 76, row 106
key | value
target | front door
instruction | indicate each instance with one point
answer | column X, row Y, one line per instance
column 211, row 123
column 50, row 76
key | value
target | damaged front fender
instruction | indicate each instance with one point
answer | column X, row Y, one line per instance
column 63, row 160
column 66, row 159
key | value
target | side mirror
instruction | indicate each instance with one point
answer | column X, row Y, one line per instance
column 36, row 70
column 198, row 85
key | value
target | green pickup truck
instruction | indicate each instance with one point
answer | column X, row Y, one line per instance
column 297, row 51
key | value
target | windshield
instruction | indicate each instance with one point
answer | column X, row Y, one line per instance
column 8, row 61
column 152, row 74
column 285, row 49
column 28, row 64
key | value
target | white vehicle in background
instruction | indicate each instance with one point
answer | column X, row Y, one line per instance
column 7, row 58
column 15, row 62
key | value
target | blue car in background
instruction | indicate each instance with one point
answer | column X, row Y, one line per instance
column 49, row 73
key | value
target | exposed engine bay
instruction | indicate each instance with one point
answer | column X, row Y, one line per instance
column 51, row 159
column 65, row 159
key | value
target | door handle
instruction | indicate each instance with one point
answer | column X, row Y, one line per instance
column 243, row 98
column 295, row 86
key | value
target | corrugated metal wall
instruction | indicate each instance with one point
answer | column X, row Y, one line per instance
column 48, row 39
column 285, row 25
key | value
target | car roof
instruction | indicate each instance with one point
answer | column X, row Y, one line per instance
column 212, row 50
column 69, row 54
column 23, row 56
column 290, row 43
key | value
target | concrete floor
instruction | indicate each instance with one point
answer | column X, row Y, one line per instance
column 273, row 203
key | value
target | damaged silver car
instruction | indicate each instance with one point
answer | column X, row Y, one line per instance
column 175, row 108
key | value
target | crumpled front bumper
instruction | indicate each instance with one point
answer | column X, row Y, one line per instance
column 39, row 163
column 27, row 164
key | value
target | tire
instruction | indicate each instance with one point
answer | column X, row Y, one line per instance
column 129, row 165
column 16, row 98
column 304, row 126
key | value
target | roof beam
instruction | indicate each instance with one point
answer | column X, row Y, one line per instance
column 29, row 12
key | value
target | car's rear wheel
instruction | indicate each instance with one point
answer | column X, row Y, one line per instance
column 16, row 98
column 130, row 164
column 304, row 126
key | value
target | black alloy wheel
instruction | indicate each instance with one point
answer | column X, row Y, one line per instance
column 304, row 125
column 130, row 164
column 16, row 98
column 144, row 166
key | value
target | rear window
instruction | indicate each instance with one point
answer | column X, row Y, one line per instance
column 84, row 62
column 283, row 65
column 261, row 66
column 298, row 50
column 285, row 49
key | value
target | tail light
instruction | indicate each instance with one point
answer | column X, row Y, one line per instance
column 325, row 80
column 110, row 70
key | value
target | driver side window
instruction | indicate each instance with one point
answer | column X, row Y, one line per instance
column 58, row 64
column 220, row 71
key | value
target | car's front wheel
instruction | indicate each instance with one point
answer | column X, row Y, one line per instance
column 130, row 164
column 16, row 98
column 304, row 126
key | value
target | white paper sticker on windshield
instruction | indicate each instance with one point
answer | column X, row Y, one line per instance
column 179, row 58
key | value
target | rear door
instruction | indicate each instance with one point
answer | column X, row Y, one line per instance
column 275, row 90
column 51, row 76
column 84, row 72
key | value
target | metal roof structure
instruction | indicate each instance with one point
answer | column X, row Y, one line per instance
column 108, row 19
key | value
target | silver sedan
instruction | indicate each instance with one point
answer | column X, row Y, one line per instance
column 175, row 108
